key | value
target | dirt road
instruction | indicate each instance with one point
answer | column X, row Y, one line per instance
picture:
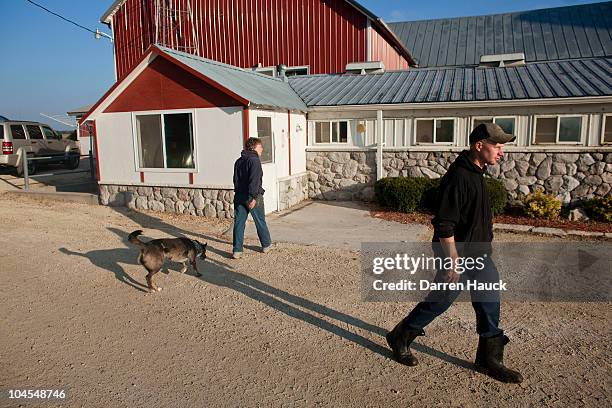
column 285, row 328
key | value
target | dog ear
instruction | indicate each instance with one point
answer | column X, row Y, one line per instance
column 204, row 245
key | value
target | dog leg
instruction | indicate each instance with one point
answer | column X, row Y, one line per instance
column 195, row 267
column 152, row 287
column 185, row 267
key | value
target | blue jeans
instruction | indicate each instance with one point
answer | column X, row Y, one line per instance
column 241, row 212
column 437, row 302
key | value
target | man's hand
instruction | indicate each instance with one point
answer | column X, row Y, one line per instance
column 451, row 276
column 252, row 204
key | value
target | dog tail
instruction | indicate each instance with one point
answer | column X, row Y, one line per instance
column 133, row 239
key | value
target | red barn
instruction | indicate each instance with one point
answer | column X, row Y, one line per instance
column 308, row 36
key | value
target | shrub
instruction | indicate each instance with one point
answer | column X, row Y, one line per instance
column 408, row 194
column 404, row 194
column 497, row 195
column 600, row 208
column 541, row 205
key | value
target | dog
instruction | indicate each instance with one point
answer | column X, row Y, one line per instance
column 154, row 253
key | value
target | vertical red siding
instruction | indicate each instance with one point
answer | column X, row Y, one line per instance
column 383, row 51
column 324, row 34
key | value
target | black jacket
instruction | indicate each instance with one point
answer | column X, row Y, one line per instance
column 464, row 208
column 248, row 176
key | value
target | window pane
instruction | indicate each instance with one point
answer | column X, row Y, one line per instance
column 343, row 131
column 546, row 130
column 569, row 129
column 150, row 141
column 178, row 131
column 507, row 124
column 264, row 132
column 34, row 132
column 17, row 132
column 49, row 134
column 424, row 131
column 608, row 130
column 445, row 131
column 322, row 132
column 334, row 130
column 480, row 121
column 389, row 132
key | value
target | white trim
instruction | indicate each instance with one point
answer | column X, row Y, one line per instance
column 514, row 127
column 165, row 169
column 174, row 185
column 583, row 125
column 471, row 104
column 603, row 130
column 112, row 24
column 330, row 121
column 434, row 143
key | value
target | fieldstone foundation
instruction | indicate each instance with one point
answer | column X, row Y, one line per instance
column 292, row 190
column 214, row 203
column 571, row 177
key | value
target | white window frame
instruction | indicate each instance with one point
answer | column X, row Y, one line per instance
column 271, row 136
column 475, row 118
column 330, row 121
column 164, row 169
column 297, row 68
column 583, row 124
column 602, row 141
column 417, row 143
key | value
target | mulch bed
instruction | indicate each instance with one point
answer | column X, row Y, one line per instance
column 564, row 224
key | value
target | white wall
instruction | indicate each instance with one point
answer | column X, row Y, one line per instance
column 218, row 138
column 298, row 143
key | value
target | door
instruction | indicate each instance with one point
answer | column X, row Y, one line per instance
column 36, row 137
column 265, row 133
column 55, row 144
column 20, row 141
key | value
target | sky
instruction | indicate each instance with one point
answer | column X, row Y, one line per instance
column 50, row 66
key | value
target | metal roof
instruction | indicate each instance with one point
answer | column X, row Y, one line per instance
column 558, row 79
column 259, row 89
column 582, row 31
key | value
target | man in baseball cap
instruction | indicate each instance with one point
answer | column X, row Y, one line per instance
column 463, row 226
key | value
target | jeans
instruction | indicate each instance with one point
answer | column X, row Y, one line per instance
column 241, row 212
column 437, row 302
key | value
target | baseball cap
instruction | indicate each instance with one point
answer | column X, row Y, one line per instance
column 490, row 132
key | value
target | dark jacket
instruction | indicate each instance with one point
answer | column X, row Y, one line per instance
column 248, row 176
column 464, row 208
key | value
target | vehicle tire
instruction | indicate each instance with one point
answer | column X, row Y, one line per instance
column 31, row 169
column 72, row 163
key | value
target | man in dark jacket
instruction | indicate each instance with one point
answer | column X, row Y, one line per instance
column 248, row 197
column 463, row 226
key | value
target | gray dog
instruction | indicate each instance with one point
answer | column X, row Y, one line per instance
column 155, row 252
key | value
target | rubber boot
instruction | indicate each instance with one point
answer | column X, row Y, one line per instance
column 399, row 339
column 490, row 359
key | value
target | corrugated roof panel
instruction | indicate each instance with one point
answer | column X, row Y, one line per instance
column 582, row 31
column 558, row 79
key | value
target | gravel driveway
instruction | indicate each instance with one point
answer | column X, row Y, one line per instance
column 285, row 328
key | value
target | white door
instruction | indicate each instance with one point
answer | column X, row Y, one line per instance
column 269, row 184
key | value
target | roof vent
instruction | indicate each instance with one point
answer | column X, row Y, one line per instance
column 502, row 60
column 362, row 68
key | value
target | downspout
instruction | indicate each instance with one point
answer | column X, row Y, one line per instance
column 379, row 145
column 369, row 40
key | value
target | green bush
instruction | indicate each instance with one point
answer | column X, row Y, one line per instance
column 600, row 208
column 497, row 195
column 408, row 194
column 541, row 205
column 404, row 194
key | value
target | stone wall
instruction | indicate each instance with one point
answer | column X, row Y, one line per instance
column 341, row 175
column 292, row 190
column 569, row 176
column 214, row 203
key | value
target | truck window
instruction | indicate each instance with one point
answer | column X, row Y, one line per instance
column 17, row 132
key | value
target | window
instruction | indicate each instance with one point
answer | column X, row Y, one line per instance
column 558, row 129
column 34, row 132
column 50, row 134
column 264, row 132
column 435, row 131
column 506, row 123
column 296, row 71
column 17, row 132
column 394, row 132
column 331, row 132
column 165, row 141
column 607, row 131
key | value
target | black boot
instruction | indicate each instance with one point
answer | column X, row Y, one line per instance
column 490, row 359
column 399, row 339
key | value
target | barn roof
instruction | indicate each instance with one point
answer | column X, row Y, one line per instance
column 558, row 79
column 582, row 31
